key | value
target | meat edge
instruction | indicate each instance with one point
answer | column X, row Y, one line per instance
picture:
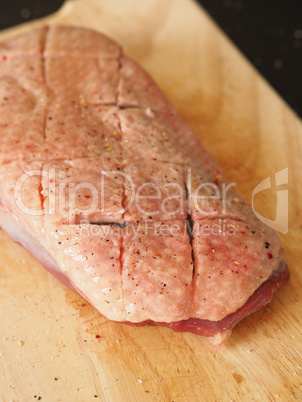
column 219, row 331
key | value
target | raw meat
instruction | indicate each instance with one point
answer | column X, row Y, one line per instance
column 108, row 187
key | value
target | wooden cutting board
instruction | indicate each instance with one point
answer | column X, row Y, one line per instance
column 54, row 346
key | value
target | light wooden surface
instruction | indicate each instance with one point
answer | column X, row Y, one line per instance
column 48, row 344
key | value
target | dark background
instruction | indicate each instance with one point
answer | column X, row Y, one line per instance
column 268, row 32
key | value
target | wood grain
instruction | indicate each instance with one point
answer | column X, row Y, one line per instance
column 48, row 343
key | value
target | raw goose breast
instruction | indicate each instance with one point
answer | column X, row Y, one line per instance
column 110, row 189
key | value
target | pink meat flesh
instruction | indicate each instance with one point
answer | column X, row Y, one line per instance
column 109, row 188
column 259, row 298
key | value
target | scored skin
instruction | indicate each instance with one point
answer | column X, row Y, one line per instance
column 93, row 131
column 81, row 124
column 20, row 190
column 73, row 192
column 95, row 80
column 28, row 44
column 23, row 101
column 228, row 270
column 151, row 132
column 90, row 257
column 157, row 273
column 160, row 192
column 30, row 68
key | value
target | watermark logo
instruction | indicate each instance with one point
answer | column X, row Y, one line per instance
column 219, row 227
column 73, row 200
column 281, row 222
